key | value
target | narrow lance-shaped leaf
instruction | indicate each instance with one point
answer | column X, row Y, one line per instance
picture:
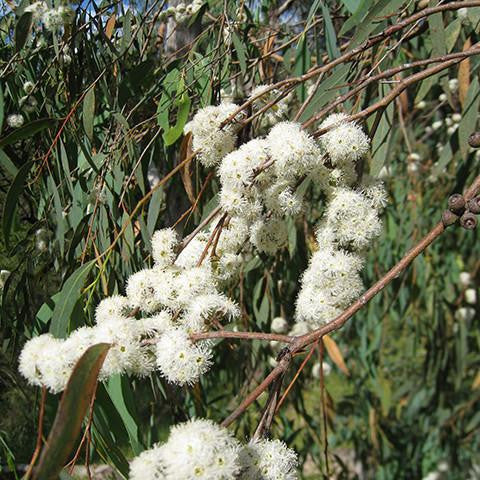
column 67, row 299
column 27, row 131
column 22, row 30
column 70, row 414
column 89, row 112
column 11, row 200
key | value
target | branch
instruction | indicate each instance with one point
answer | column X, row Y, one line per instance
column 301, row 342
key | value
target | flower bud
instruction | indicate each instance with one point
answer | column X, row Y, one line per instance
column 465, row 314
column 465, row 278
column 448, row 218
column 279, row 325
column 471, row 296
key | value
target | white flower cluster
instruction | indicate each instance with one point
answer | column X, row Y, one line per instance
column 174, row 300
column 258, row 199
column 15, row 120
column 345, row 144
column 181, row 13
column 202, row 449
column 213, row 142
column 351, row 222
column 52, row 18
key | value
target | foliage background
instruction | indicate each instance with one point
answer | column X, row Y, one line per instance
column 78, row 213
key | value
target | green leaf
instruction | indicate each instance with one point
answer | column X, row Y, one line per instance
column 26, row 131
column 70, row 414
column 67, row 299
column 437, row 34
column 469, row 116
column 11, row 200
column 382, row 136
column 331, row 37
column 7, row 164
column 22, row 30
column 352, row 5
column 89, row 112
column 121, row 395
column 183, row 109
column 2, row 108
column 240, row 49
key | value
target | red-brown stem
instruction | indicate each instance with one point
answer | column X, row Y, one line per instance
column 272, row 337
column 38, row 445
column 386, row 74
column 369, row 43
column 402, row 85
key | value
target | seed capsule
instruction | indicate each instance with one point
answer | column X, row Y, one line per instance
column 448, row 218
column 473, row 205
column 456, row 203
column 474, row 140
column 468, row 221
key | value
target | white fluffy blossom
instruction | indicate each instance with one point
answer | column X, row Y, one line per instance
column 141, row 289
column 294, row 152
column 213, row 142
column 200, row 311
column 268, row 460
column 274, row 113
column 163, row 246
column 149, row 465
column 353, row 218
column 110, row 308
column 15, row 120
column 41, row 362
column 345, row 143
column 195, row 449
column 28, row 87
column 37, row 9
column 179, row 359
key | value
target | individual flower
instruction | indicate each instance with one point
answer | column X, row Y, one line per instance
column 163, row 246
column 15, row 120
column 279, row 325
column 211, row 141
column 110, row 308
column 345, row 143
column 180, row 360
column 268, row 460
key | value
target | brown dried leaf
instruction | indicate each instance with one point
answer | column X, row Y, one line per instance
column 476, row 381
column 464, row 74
column 335, row 354
column 186, row 171
column 110, row 26
column 372, row 421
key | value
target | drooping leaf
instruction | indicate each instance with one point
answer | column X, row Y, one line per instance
column 11, row 200
column 335, row 354
column 70, row 414
column 27, row 130
column 67, row 299
column 89, row 112
column 22, row 30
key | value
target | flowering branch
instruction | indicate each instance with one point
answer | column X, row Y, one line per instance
column 301, row 342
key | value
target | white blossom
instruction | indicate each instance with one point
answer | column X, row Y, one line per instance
column 15, row 120
column 345, row 143
column 268, row 460
column 179, row 359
